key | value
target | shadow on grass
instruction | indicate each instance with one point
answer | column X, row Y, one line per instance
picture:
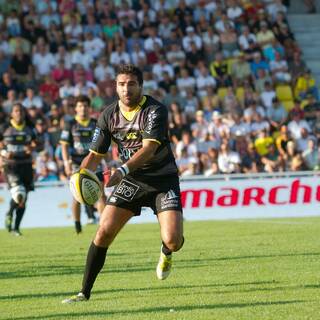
column 118, row 290
column 159, row 309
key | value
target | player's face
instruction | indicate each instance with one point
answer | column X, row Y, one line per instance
column 128, row 89
column 82, row 110
column 17, row 114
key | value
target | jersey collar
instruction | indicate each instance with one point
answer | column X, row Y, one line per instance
column 83, row 123
column 17, row 126
column 129, row 115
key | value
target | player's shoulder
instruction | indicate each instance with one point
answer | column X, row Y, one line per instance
column 153, row 104
column 109, row 110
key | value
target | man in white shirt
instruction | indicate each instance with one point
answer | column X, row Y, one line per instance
column 79, row 56
column 191, row 37
column 93, row 45
column 149, row 43
column 119, row 56
column 43, row 61
column 162, row 66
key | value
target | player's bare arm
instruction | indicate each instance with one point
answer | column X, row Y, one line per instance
column 91, row 161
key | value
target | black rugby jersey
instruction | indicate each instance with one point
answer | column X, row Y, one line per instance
column 15, row 140
column 78, row 135
column 150, row 122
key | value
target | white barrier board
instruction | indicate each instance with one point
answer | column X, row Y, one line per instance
column 202, row 200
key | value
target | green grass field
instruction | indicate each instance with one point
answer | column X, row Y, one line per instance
column 248, row 269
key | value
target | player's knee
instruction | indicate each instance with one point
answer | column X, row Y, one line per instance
column 104, row 237
column 174, row 244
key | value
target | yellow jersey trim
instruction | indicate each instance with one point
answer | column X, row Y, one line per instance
column 97, row 153
column 84, row 123
column 63, row 142
column 157, row 141
column 129, row 115
column 17, row 126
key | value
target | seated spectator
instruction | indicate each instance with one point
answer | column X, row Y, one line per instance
column 265, row 36
column 93, row 45
column 230, row 103
column 204, row 80
column 240, row 70
column 267, row 95
column 245, row 38
column 296, row 124
column 228, row 161
column 32, row 99
column 302, row 142
column 271, row 161
column 259, row 124
column 211, row 167
column 229, row 41
column 118, row 56
column 186, row 143
column 217, row 128
column 252, row 108
column 46, row 168
column 50, row 87
column 258, row 63
column 194, row 56
column 279, row 69
column 311, row 156
column 251, row 161
column 7, row 83
column 138, row 55
column 65, row 56
column 191, row 37
column 166, row 82
column 73, row 31
column 310, row 110
column 79, row 56
column 220, row 70
column 67, row 89
column 20, row 64
column 306, row 84
column 176, row 56
column 296, row 66
column 199, row 128
column 282, row 140
column 262, row 143
column 149, row 82
column 9, row 102
column 160, row 67
column 277, row 115
column 59, row 72
column 262, row 77
column 185, row 81
column 82, row 86
column 211, row 43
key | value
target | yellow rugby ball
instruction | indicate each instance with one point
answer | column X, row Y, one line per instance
column 85, row 186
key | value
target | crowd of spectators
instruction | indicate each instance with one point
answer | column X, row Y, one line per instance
column 240, row 96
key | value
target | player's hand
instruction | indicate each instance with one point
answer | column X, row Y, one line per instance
column 115, row 178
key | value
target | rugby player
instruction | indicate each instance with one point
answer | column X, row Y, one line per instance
column 75, row 142
column 17, row 143
column 138, row 124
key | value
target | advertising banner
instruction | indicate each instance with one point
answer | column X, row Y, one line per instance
column 202, row 199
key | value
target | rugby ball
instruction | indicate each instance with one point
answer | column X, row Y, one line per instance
column 18, row 194
column 85, row 187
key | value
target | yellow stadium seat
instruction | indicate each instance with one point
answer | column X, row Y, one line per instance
column 284, row 93
column 288, row 105
column 303, row 103
column 240, row 93
column 222, row 92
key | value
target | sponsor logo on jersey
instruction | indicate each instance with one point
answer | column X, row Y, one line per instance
column 131, row 136
column 96, row 134
column 170, row 200
column 150, row 121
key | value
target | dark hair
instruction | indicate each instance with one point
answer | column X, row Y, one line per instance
column 82, row 98
column 130, row 69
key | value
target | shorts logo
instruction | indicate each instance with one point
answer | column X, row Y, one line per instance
column 126, row 190
column 171, row 195
column 113, row 199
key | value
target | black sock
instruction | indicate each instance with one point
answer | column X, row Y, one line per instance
column 19, row 214
column 78, row 227
column 90, row 212
column 165, row 250
column 13, row 205
column 95, row 261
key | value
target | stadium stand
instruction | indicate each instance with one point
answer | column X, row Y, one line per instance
column 231, row 72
